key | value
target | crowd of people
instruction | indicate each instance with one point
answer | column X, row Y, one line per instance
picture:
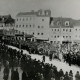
column 33, row 69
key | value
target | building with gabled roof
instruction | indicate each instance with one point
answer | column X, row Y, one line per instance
column 61, row 29
column 34, row 23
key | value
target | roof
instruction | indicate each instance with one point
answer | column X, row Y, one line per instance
column 61, row 22
column 6, row 19
column 35, row 13
column 26, row 13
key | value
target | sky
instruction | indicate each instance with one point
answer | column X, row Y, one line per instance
column 59, row 8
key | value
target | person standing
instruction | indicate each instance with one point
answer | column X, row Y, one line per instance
column 24, row 76
column 43, row 58
column 16, row 75
column 77, row 76
column 71, row 75
column 6, row 73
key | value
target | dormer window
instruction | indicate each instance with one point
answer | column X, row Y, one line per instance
column 52, row 23
column 46, row 13
column 67, row 23
column 58, row 23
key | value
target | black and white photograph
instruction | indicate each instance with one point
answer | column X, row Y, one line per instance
column 39, row 39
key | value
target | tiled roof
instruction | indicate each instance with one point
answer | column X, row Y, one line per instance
column 61, row 22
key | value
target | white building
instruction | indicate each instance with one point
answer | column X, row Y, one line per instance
column 34, row 23
column 76, row 31
column 61, row 30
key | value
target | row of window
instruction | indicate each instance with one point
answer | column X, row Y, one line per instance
column 40, row 33
column 27, row 19
column 24, row 19
column 29, row 26
column 67, row 23
column 63, row 30
column 25, row 25
column 77, row 29
column 63, row 36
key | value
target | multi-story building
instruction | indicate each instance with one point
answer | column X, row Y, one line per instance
column 42, row 26
column 34, row 23
column 6, row 22
column 76, row 31
column 61, row 30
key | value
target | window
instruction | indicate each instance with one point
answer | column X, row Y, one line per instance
column 17, row 19
column 38, row 26
column 70, row 30
column 19, row 25
column 26, row 25
column 63, row 29
column 66, row 30
column 46, row 13
column 23, row 25
column 58, row 42
column 52, row 29
column 63, row 36
column 70, row 36
column 16, row 25
column 55, row 29
column 33, row 33
column 58, row 29
column 38, row 33
column 67, row 23
column 54, row 41
column 41, row 33
column 23, row 19
column 42, row 19
column 58, row 23
column 30, row 25
column 54, row 36
column 66, row 36
column 58, row 36
column 20, row 19
column 76, row 29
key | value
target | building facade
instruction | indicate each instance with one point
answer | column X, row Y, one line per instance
column 34, row 23
column 42, row 26
column 61, row 30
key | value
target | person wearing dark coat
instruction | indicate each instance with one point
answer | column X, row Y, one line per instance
column 61, row 73
column 12, row 74
column 24, row 76
column 43, row 58
column 6, row 73
column 16, row 75
column 71, row 75
column 66, row 76
column 77, row 76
